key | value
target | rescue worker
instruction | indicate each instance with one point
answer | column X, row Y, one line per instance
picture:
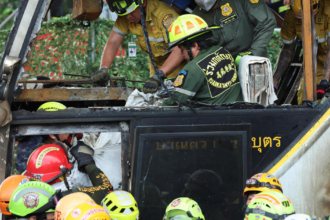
column 291, row 29
column 34, row 201
column 261, row 182
column 183, row 209
column 269, row 205
column 7, row 188
column 210, row 76
column 27, row 144
column 121, row 205
column 248, row 25
column 68, row 202
column 50, row 164
column 159, row 17
column 87, row 211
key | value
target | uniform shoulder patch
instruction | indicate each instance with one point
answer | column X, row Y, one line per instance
column 254, row 1
column 168, row 20
column 180, row 78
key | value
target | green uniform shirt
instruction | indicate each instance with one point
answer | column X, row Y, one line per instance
column 248, row 25
column 101, row 185
column 210, row 77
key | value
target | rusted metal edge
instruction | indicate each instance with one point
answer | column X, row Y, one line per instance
column 72, row 94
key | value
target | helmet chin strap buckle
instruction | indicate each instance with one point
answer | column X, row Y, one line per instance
column 65, row 171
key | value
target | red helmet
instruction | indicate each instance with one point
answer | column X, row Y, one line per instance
column 7, row 188
column 47, row 163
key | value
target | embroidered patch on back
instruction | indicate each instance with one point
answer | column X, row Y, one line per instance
column 220, row 71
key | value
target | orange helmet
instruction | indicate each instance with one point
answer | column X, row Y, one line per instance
column 68, row 202
column 47, row 163
column 296, row 7
column 7, row 188
column 262, row 182
column 88, row 211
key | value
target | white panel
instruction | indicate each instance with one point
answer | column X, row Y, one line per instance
column 23, row 28
column 306, row 182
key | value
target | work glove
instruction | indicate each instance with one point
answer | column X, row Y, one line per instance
column 101, row 77
column 322, row 88
column 240, row 55
column 153, row 83
column 83, row 155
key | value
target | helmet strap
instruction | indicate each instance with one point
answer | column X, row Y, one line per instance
column 190, row 54
column 65, row 171
column 57, row 137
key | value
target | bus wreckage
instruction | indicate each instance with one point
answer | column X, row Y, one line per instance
column 159, row 148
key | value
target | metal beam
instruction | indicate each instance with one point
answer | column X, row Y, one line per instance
column 26, row 130
column 74, row 94
column 309, row 51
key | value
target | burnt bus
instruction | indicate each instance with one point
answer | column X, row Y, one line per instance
column 163, row 149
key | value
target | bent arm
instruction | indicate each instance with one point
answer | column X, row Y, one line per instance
column 101, row 184
column 283, row 62
column 172, row 62
column 110, row 49
column 264, row 24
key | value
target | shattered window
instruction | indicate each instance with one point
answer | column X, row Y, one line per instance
column 204, row 166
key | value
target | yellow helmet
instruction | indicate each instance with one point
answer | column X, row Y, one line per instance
column 121, row 205
column 67, row 203
column 296, row 7
column 123, row 8
column 52, row 106
column 185, row 28
column 87, row 211
column 262, row 182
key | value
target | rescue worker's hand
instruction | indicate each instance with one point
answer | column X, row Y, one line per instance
column 83, row 155
column 153, row 83
column 101, row 77
column 322, row 88
column 240, row 55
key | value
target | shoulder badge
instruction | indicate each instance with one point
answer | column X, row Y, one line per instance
column 254, row 1
column 178, row 81
column 168, row 20
column 180, row 78
column 226, row 9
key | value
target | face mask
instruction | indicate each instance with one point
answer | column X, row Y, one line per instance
column 206, row 4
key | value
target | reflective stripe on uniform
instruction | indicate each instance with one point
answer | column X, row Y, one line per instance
column 328, row 35
column 156, row 40
column 322, row 39
column 118, row 31
column 185, row 92
column 287, row 41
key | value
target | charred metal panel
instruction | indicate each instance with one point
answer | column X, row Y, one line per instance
column 208, row 163
column 4, row 151
column 72, row 94
column 126, row 153
column 26, row 130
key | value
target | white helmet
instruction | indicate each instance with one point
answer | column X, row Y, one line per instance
column 298, row 217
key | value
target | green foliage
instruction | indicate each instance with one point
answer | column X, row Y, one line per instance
column 63, row 45
column 274, row 48
column 6, row 8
